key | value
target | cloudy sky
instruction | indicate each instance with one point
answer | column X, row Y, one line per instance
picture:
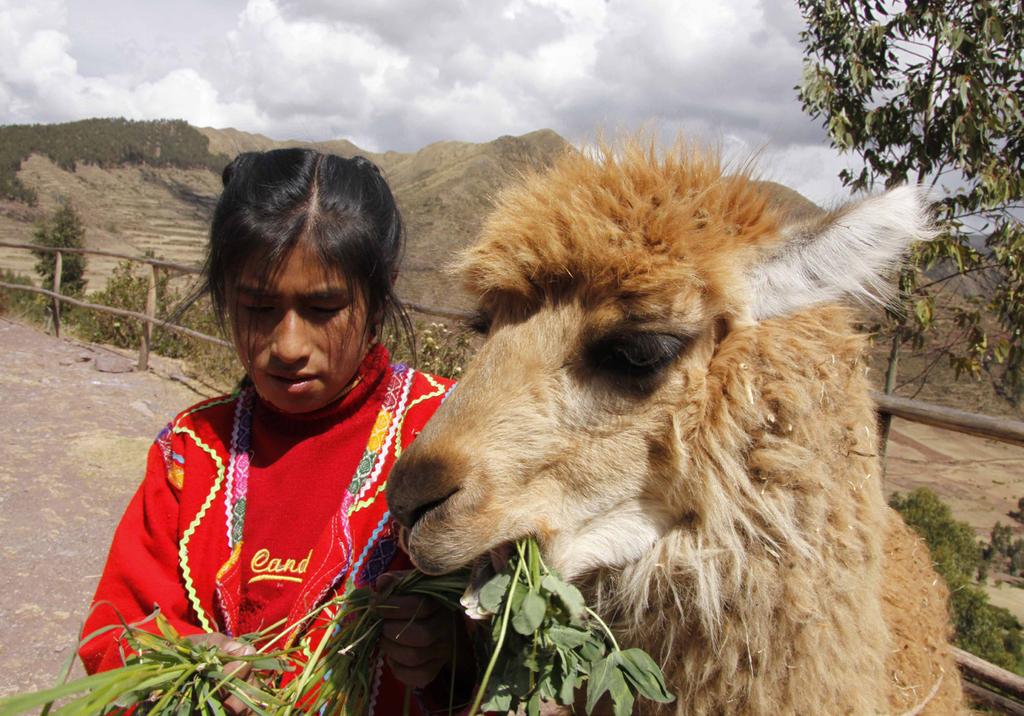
column 399, row 74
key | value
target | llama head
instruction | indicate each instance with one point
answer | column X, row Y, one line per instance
column 607, row 287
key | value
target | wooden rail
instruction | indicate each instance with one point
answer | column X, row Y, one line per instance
column 180, row 268
column 149, row 318
column 985, row 426
column 1002, row 429
column 121, row 312
column 993, row 686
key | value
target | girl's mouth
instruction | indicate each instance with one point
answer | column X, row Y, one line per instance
column 294, row 384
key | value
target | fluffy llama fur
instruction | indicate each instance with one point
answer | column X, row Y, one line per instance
column 768, row 574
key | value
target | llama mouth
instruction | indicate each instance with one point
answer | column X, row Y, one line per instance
column 483, row 569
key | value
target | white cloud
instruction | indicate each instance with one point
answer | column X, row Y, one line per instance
column 398, row 74
column 44, row 82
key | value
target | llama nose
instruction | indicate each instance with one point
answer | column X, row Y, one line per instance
column 417, row 486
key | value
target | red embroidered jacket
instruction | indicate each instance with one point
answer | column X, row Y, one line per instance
column 181, row 542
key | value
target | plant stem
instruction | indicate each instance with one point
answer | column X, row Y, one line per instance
column 607, row 631
column 501, row 640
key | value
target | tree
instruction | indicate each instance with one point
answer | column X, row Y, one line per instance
column 990, row 632
column 930, row 91
column 63, row 230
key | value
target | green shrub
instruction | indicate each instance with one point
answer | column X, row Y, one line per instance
column 63, row 230
column 127, row 288
column 990, row 632
column 22, row 304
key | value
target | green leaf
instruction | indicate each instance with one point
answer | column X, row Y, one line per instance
column 492, row 594
column 602, row 676
column 166, row 628
column 923, row 309
column 530, row 614
column 269, row 663
column 622, row 696
column 594, row 648
column 567, row 690
column 566, row 637
column 567, row 593
column 645, row 674
column 533, row 705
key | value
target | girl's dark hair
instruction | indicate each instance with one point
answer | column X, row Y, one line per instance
column 342, row 208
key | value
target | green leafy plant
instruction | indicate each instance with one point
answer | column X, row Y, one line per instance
column 336, row 679
column 440, row 349
column 23, row 304
column 546, row 643
column 167, row 675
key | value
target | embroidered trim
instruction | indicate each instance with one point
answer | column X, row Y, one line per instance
column 369, row 468
column 369, row 545
column 438, row 390
column 394, row 408
column 232, row 561
column 237, row 486
column 186, row 572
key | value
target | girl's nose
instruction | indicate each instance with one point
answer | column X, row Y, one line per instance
column 291, row 341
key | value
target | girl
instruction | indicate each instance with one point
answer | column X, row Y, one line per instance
column 261, row 505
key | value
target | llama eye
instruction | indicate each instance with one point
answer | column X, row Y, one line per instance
column 479, row 322
column 636, row 355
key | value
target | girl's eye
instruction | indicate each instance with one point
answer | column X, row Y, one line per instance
column 327, row 310
column 259, row 309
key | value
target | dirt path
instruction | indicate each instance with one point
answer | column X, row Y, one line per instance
column 74, row 448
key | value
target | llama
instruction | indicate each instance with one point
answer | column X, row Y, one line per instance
column 670, row 399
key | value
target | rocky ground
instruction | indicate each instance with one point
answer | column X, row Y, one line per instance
column 77, row 422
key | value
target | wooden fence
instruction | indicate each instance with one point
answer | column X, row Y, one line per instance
column 148, row 318
column 987, row 683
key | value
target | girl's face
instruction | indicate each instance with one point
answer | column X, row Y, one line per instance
column 298, row 335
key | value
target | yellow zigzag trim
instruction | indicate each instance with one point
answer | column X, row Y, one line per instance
column 369, row 500
column 438, row 390
column 186, row 573
column 211, row 404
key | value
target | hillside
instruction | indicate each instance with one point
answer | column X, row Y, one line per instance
column 444, row 190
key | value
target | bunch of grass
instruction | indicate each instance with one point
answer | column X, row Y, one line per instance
column 337, row 676
column 167, row 675
column 543, row 644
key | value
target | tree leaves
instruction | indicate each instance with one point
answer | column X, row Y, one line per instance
column 933, row 93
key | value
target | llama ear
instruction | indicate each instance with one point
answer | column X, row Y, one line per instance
column 848, row 252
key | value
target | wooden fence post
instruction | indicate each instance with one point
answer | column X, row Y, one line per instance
column 147, row 326
column 58, row 269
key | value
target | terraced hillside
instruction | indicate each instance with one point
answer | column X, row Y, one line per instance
column 128, row 209
column 444, row 191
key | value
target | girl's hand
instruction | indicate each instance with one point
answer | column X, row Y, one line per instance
column 241, row 669
column 417, row 635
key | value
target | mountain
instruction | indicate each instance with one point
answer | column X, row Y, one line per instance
column 130, row 203
column 151, row 186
